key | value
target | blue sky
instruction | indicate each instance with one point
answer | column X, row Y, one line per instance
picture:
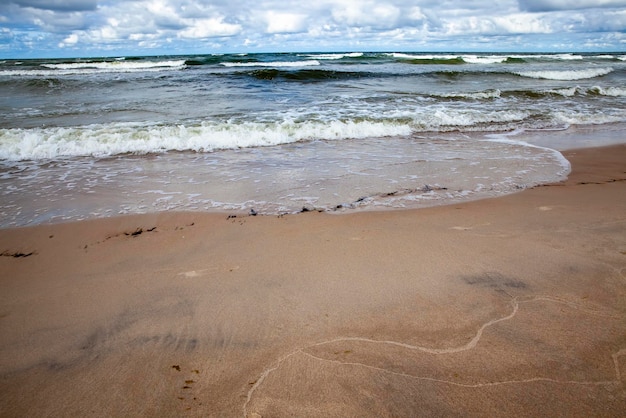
column 70, row 28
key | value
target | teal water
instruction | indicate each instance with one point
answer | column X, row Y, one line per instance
column 276, row 132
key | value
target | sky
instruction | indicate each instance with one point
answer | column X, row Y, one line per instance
column 88, row 28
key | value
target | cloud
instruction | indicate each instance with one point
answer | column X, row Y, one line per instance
column 69, row 41
column 357, row 13
column 554, row 5
column 280, row 22
column 162, row 26
column 521, row 23
column 209, row 28
column 58, row 5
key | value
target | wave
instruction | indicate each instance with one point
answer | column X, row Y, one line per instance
column 121, row 138
column 456, row 59
column 566, row 75
column 563, row 57
column 419, row 58
column 592, row 91
column 117, row 65
column 335, row 56
column 535, row 94
column 114, row 139
column 306, row 63
column 84, row 68
column 427, row 59
column 402, row 55
column 103, row 140
column 608, row 91
column 479, row 95
column 548, row 57
column 294, row 73
column 308, row 74
column 569, row 92
column 494, row 59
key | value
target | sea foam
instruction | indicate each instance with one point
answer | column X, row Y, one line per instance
column 336, row 56
column 566, row 75
column 117, row 65
column 306, row 63
column 87, row 68
column 120, row 138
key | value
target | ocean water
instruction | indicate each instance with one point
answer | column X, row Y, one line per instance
column 276, row 133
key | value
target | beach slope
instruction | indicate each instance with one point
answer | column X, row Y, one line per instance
column 499, row 307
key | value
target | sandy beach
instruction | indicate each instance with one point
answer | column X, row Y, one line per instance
column 514, row 306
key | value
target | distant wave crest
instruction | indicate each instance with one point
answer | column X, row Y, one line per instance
column 93, row 67
column 337, row 56
column 566, row 75
column 306, row 63
column 116, row 65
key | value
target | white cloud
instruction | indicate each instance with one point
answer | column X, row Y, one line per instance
column 209, row 28
column 469, row 25
column 520, row 23
column 415, row 13
column 365, row 13
column 58, row 5
column 235, row 25
column 553, row 5
column 278, row 22
column 69, row 41
column 105, row 33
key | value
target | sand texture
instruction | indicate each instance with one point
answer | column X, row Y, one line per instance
column 513, row 306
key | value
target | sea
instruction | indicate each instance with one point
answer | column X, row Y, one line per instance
column 282, row 133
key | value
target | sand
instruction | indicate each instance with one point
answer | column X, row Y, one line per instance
column 514, row 306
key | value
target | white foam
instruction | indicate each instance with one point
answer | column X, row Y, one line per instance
column 567, row 92
column 488, row 94
column 610, row 91
column 375, row 173
column 508, row 138
column 489, row 59
column 113, row 139
column 577, row 118
column 473, row 59
column 466, row 118
column 306, row 63
column 602, row 91
column 566, row 75
column 83, row 68
column 335, row 56
column 118, row 138
column 119, row 64
column 565, row 57
column 422, row 57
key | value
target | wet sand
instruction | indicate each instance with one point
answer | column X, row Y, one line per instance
column 499, row 307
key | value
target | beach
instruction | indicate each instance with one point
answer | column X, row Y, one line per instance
column 513, row 305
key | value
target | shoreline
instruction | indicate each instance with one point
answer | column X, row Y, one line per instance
column 513, row 304
column 47, row 200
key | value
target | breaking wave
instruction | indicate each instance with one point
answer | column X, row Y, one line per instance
column 306, row 63
column 566, row 75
